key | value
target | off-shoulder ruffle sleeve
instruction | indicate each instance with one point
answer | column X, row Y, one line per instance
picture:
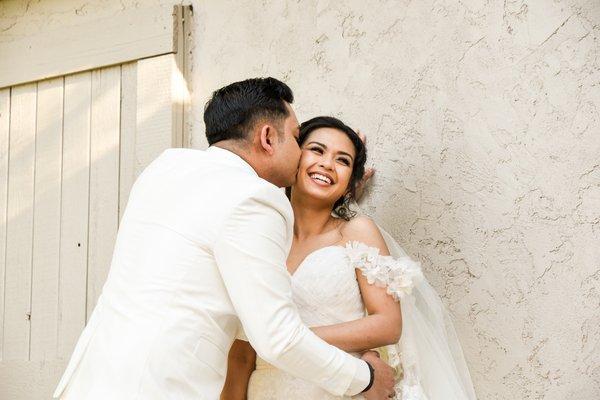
column 397, row 275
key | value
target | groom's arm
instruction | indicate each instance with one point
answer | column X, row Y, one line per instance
column 250, row 252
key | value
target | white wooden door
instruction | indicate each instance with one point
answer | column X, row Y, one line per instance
column 70, row 149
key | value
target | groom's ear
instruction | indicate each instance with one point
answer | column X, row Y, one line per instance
column 267, row 137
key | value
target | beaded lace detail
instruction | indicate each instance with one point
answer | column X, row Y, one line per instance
column 397, row 275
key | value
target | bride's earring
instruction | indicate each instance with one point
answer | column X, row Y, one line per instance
column 343, row 210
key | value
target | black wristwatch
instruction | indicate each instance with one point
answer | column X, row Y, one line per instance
column 372, row 379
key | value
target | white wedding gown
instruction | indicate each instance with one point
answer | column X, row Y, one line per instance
column 326, row 291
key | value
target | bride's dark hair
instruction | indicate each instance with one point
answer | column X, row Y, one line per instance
column 342, row 206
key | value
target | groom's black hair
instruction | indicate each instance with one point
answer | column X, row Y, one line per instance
column 233, row 110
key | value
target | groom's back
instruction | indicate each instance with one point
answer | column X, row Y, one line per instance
column 164, row 322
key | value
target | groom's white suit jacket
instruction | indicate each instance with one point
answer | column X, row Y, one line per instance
column 200, row 253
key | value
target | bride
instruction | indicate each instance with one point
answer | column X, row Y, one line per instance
column 353, row 285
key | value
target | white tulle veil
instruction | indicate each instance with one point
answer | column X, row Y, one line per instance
column 428, row 358
column 433, row 364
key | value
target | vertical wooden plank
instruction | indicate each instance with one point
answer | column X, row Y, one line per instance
column 188, row 28
column 4, row 129
column 104, row 178
column 154, row 109
column 74, row 211
column 30, row 380
column 128, row 132
column 181, row 74
column 46, row 228
column 178, row 85
column 19, row 223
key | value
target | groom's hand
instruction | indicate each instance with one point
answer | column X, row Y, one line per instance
column 383, row 385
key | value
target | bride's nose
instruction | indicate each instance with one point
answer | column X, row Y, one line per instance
column 326, row 162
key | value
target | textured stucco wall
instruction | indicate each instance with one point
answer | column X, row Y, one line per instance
column 484, row 124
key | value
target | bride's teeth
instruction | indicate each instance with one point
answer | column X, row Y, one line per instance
column 322, row 178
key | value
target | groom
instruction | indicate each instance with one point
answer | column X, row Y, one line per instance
column 200, row 255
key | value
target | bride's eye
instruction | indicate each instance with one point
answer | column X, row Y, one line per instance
column 345, row 161
column 317, row 150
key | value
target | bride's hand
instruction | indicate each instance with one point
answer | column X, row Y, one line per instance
column 361, row 185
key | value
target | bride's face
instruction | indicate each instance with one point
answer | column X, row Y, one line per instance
column 325, row 165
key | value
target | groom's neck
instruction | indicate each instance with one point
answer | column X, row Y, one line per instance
column 244, row 151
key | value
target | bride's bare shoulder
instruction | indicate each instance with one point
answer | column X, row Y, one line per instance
column 363, row 229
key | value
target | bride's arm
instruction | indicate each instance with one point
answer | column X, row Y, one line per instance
column 383, row 325
column 240, row 364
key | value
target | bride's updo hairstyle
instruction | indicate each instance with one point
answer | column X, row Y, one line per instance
column 342, row 206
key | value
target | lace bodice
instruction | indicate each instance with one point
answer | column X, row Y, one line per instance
column 326, row 291
column 326, row 277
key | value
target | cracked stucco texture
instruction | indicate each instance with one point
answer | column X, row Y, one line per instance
column 483, row 119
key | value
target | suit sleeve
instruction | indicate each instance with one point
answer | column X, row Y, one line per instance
column 250, row 252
